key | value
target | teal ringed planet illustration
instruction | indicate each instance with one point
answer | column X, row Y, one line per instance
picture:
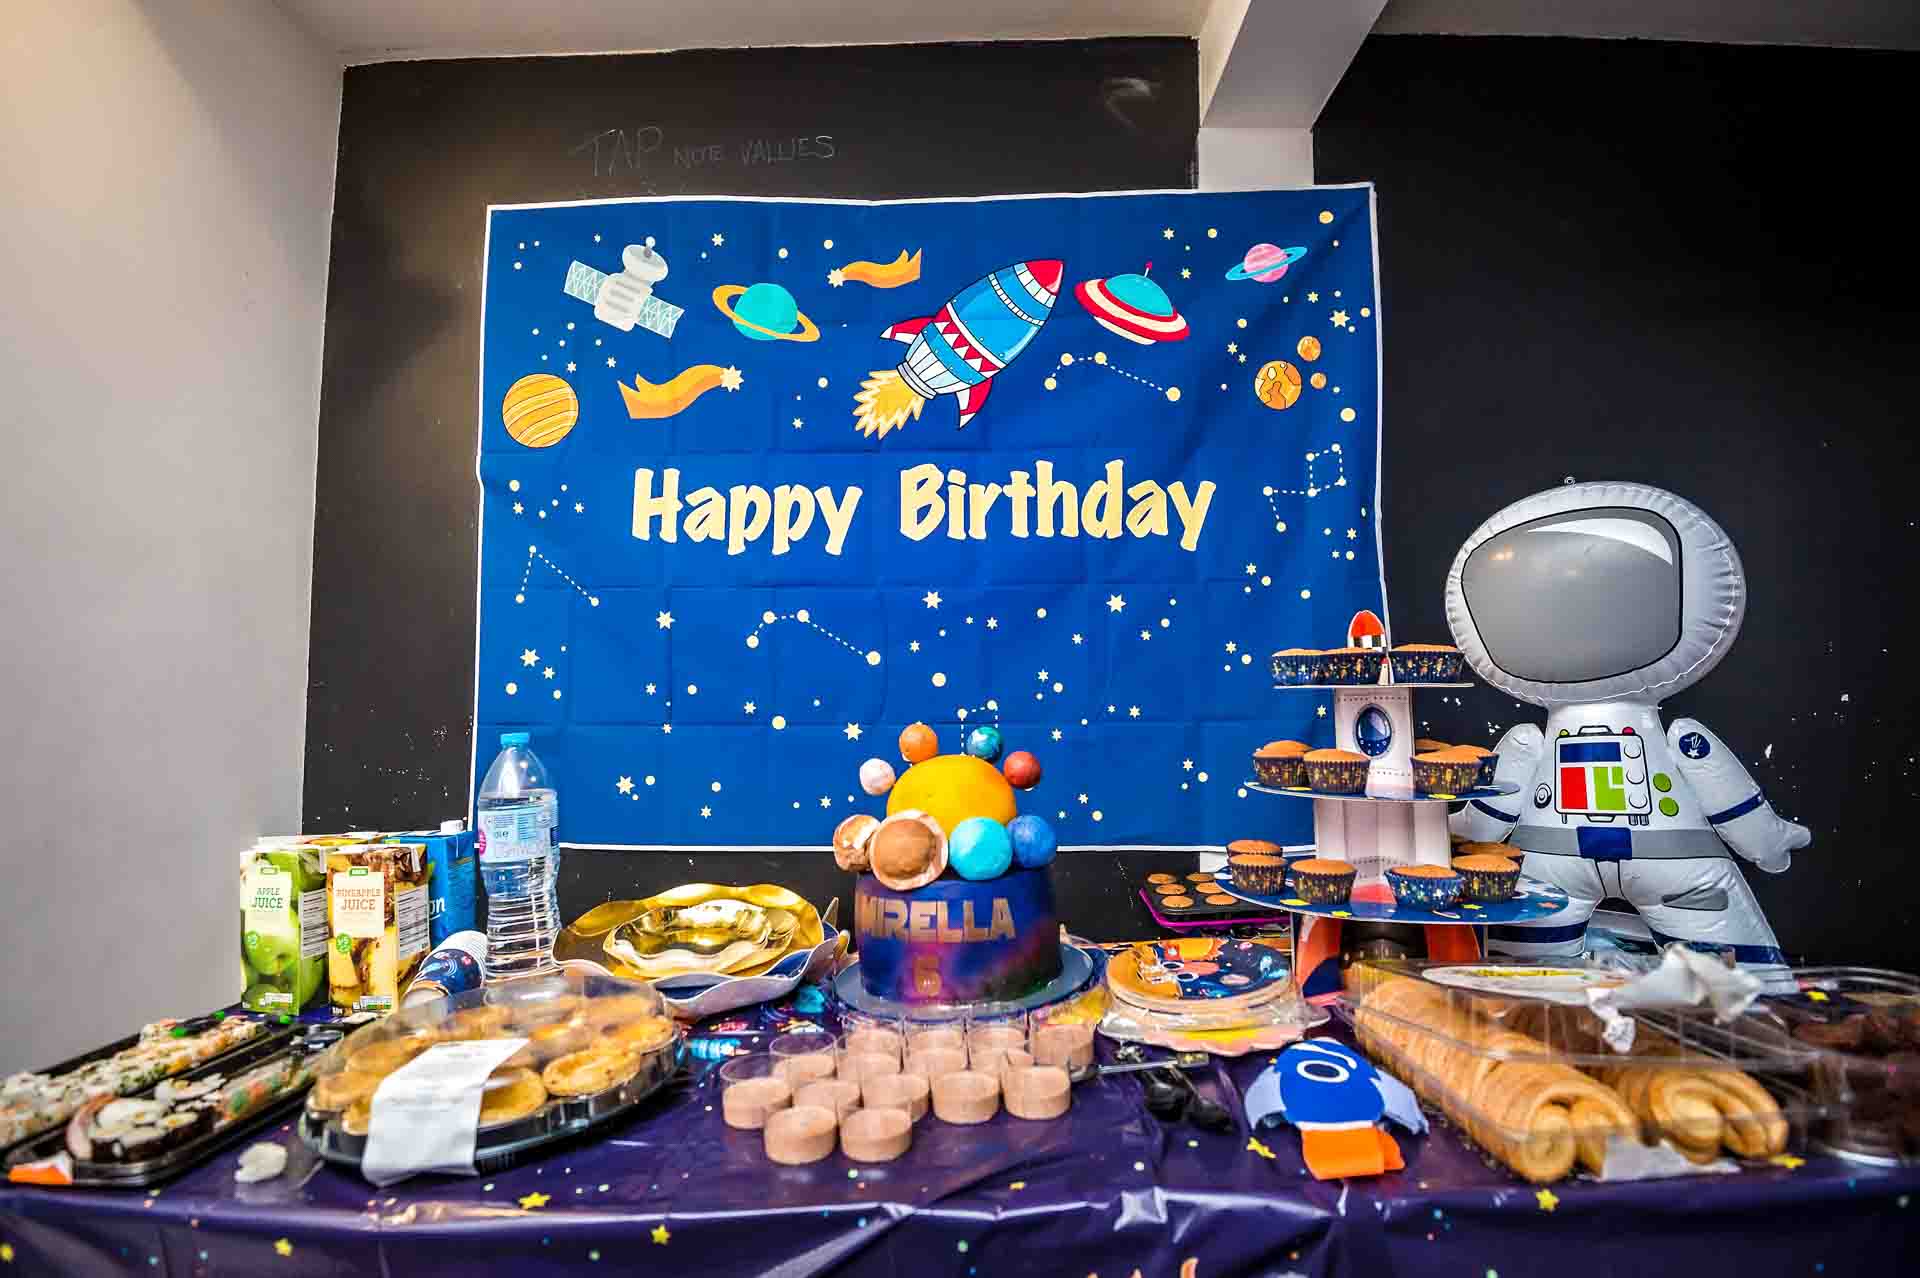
column 765, row 313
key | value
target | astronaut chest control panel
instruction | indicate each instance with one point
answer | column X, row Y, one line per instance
column 1602, row 775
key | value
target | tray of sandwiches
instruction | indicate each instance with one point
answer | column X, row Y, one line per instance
column 1513, row 1056
column 591, row 1048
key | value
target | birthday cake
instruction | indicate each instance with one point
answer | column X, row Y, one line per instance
column 954, row 902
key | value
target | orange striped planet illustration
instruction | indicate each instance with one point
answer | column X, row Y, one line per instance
column 539, row 410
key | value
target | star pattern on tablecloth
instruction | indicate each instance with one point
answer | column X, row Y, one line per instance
column 1255, row 1147
column 283, row 1247
column 1547, row 1199
column 529, row 1202
column 660, row 1235
column 1789, row 1161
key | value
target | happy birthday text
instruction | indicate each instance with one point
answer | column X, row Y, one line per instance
column 933, row 499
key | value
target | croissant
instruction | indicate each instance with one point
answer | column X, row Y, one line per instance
column 1535, row 1114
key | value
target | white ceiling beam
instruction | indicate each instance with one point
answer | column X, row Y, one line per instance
column 1285, row 58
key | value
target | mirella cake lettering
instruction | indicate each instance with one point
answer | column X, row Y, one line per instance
column 933, row 500
column 949, row 922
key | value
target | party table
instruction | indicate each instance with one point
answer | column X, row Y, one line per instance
column 1105, row 1190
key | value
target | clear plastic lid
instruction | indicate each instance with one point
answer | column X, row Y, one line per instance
column 1520, row 1011
column 1511, row 1054
column 585, row 1033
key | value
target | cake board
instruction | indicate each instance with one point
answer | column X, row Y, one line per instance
column 1077, row 969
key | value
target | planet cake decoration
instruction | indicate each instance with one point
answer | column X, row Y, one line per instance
column 957, row 905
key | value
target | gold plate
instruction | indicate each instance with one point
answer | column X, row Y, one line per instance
column 588, row 936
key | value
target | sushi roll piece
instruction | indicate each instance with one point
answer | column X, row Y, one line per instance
column 186, row 1089
column 135, row 1145
column 182, row 1125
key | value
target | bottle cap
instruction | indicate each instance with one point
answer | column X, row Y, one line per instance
column 514, row 738
column 453, row 825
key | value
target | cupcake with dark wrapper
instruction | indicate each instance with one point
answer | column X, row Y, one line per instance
column 1484, row 877
column 1293, row 667
column 1425, row 663
column 1424, row 887
column 1281, row 763
column 1322, row 881
column 1349, row 666
column 1445, row 772
column 1256, row 866
column 1504, row 850
column 1488, row 762
column 1337, row 771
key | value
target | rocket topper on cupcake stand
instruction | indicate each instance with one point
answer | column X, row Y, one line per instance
column 1380, row 805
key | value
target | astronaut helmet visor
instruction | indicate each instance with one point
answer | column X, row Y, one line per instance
column 1577, row 596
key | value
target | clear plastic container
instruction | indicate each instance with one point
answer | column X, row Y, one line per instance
column 1863, row 1025
column 596, row 1046
column 1511, row 1054
column 518, row 841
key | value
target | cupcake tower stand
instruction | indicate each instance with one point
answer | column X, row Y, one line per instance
column 1389, row 825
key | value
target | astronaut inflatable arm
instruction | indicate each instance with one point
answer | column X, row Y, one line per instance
column 1736, row 808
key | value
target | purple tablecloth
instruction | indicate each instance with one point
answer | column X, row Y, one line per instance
column 1106, row 1190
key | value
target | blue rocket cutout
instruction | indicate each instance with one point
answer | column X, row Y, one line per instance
column 1336, row 1100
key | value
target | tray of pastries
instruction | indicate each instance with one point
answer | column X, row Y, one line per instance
column 1511, row 1053
column 593, row 1047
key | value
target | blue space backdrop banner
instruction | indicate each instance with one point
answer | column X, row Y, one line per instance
column 735, row 535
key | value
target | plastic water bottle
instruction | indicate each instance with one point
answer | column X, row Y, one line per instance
column 519, row 846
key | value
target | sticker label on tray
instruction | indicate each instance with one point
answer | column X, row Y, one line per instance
column 426, row 1114
column 359, row 903
column 1567, row 985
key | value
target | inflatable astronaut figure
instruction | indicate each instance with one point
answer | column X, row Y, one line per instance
column 1598, row 601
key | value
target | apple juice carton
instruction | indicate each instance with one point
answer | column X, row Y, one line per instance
column 453, row 877
column 377, row 920
column 283, row 925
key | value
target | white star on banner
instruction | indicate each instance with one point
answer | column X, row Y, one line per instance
column 664, row 620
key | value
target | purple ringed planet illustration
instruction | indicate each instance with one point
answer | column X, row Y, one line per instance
column 1265, row 263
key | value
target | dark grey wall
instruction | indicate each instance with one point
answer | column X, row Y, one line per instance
column 1690, row 265
column 426, row 146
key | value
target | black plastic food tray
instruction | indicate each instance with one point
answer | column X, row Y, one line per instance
column 154, row 1171
column 501, row 1146
column 122, row 1044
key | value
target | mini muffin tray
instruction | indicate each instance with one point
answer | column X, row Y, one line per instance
column 52, row 1144
column 501, row 1145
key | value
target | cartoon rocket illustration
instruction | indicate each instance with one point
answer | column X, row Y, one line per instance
column 1335, row 1099
column 958, row 349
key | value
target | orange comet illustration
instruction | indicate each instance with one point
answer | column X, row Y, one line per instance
column 901, row 270
column 645, row 400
